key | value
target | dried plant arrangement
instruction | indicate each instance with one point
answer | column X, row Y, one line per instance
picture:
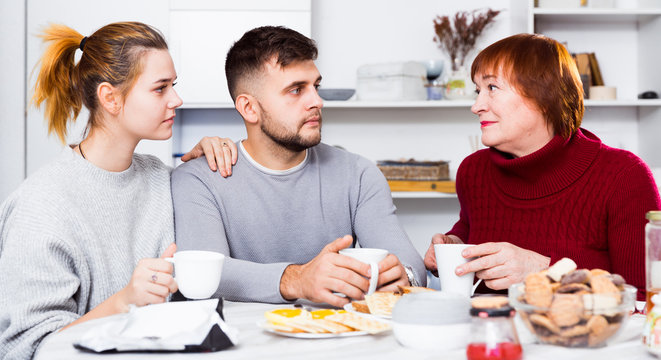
column 458, row 35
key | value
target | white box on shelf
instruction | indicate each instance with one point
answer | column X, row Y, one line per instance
column 601, row 3
column 391, row 81
column 558, row 3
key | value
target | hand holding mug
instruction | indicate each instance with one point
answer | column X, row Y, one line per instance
column 448, row 258
column 501, row 264
column 151, row 282
column 197, row 272
column 430, row 256
column 328, row 273
column 392, row 274
column 371, row 257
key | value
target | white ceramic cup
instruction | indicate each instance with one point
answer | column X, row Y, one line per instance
column 369, row 256
column 448, row 257
column 197, row 272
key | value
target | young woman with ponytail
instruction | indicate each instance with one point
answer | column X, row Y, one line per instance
column 81, row 238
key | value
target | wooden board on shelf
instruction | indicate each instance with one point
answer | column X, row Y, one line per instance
column 439, row 186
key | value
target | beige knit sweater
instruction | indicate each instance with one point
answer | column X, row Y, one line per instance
column 70, row 237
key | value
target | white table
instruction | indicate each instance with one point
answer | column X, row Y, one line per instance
column 254, row 343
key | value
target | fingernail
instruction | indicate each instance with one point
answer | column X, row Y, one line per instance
column 458, row 271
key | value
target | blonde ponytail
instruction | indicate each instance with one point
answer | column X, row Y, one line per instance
column 56, row 82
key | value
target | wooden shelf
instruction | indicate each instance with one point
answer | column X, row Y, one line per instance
column 600, row 15
column 415, row 186
column 422, row 195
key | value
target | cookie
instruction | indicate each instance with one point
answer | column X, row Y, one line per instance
column 597, row 324
column 600, row 339
column 597, row 272
column 572, row 288
column 489, row 302
column 566, row 310
column 544, row 322
column 538, row 290
column 576, row 330
column 617, row 279
column 581, row 276
column 560, row 268
column 600, row 304
column 603, row 284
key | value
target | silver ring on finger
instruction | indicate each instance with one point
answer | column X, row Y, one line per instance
column 154, row 278
column 225, row 144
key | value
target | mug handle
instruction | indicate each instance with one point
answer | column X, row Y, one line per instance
column 475, row 286
column 171, row 261
column 374, row 279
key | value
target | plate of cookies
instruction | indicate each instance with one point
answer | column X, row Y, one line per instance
column 380, row 304
column 573, row 307
column 319, row 324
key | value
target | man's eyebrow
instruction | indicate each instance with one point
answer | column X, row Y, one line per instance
column 301, row 83
column 295, row 84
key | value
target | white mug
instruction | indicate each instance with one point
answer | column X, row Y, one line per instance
column 369, row 256
column 197, row 272
column 448, row 257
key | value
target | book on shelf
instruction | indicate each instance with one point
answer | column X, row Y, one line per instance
column 597, row 80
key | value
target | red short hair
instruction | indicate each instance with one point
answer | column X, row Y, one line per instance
column 542, row 70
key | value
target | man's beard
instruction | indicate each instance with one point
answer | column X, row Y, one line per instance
column 291, row 141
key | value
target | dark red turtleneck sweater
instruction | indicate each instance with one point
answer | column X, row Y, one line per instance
column 575, row 198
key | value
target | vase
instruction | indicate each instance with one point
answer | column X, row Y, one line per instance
column 459, row 85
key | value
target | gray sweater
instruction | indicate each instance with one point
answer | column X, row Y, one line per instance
column 70, row 237
column 265, row 219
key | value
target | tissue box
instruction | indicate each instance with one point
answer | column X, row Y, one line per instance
column 392, row 81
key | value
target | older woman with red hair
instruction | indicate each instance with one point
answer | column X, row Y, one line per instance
column 545, row 188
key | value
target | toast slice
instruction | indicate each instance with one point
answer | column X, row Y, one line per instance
column 359, row 322
column 360, row 306
column 381, row 303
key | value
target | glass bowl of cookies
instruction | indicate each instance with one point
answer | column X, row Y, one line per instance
column 573, row 307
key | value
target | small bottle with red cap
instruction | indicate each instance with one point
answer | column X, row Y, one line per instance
column 493, row 335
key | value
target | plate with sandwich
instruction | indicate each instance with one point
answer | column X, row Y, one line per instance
column 379, row 305
column 319, row 324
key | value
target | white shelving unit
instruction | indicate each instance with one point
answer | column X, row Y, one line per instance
column 625, row 41
column 441, row 104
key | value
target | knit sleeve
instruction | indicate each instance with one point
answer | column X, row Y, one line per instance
column 41, row 287
column 461, row 228
column 634, row 194
column 198, row 216
column 375, row 223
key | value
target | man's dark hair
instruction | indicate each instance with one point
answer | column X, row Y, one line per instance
column 246, row 58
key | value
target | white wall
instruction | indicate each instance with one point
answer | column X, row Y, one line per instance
column 350, row 33
column 12, row 95
column 85, row 16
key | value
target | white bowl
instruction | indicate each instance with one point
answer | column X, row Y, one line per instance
column 432, row 321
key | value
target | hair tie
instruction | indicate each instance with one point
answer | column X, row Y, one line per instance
column 82, row 43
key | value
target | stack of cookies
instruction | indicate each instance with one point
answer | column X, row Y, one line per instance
column 573, row 307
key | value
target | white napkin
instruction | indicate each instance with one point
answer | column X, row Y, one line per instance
column 169, row 326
